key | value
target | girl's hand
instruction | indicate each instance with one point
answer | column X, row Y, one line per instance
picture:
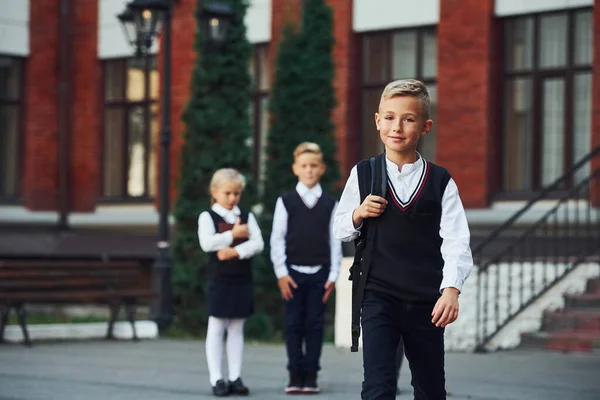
column 372, row 206
column 228, row 253
column 239, row 230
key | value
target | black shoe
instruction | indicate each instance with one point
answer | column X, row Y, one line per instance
column 221, row 389
column 310, row 383
column 237, row 387
column 295, row 384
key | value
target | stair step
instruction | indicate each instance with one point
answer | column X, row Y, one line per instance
column 588, row 301
column 565, row 341
column 593, row 286
column 573, row 320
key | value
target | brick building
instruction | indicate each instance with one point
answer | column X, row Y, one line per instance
column 515, row 86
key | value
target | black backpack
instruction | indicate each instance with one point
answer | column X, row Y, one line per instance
column 372, row 179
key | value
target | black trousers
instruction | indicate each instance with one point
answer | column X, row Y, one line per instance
column 386, row 321
column 304, row 320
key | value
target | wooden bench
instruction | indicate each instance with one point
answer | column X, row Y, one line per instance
column 117, row 283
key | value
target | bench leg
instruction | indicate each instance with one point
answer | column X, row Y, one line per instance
column 22, row 316
column 130, row 309
column 114, row 313
column 4, row 311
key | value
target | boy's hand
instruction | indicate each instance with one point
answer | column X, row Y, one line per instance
column 445, row 311
column 372, row 206
column 329, row 286
column 285, row 284
column 239, row 230
column 228, row 253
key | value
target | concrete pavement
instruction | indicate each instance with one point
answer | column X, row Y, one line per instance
column 176, row 370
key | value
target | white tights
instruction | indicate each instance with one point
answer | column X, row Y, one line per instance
column 214, row 347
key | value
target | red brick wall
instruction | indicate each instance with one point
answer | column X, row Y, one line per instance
column 465, row 86
column 596, row 101
column 182, row 64
column 85, row 107
column 40, row 180
column 344, row 59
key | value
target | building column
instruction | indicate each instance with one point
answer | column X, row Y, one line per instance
column 466, row 106
column 40, row 122
column 86, row 111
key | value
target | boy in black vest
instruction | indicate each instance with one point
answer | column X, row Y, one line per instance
column 419, row 251
column 306, row 259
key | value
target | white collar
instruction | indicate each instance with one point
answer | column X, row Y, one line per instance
column 303, row 190
column 222, row 211
column 407, row 169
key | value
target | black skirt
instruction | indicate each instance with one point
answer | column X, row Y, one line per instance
column 232, row 300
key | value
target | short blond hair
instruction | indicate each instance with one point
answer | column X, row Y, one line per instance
column 308, row 147
column 224, row 175
column 410, row 88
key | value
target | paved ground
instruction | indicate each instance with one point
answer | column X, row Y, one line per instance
column 176, row 370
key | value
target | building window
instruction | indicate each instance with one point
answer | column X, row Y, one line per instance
column 130, row 128
column 11, row 86
column 259, row 109
column 390, row 55
column 547, row 97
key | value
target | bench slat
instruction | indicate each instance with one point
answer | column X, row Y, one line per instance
column 75, row 296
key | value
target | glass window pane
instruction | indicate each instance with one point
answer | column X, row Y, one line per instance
column 553, row 40
column 553, row 130
column 136, row 79
column 404, row 46
column 154, row 79
column 582, row 121
column 429, row 54
column 428, row 142
column 114, row 145
column 10, row 78
column 136, row 152
column 153, row 151
column 263, row 59
column 583, row 37
column 114, row 85
column 264, row 131
column 517, row 175
column 371, row 144
column 376, row 59
column 518, row 35
column 9, row 151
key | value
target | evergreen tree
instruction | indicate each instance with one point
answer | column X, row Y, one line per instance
column 301, row 104
column 217, row 133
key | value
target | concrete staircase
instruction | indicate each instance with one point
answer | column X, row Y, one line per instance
column 575, row 328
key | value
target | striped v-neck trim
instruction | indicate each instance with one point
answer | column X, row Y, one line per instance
column 405, row 205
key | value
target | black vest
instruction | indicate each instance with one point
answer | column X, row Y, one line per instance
column 406, row 261
column 307, row 240
column 235, row 270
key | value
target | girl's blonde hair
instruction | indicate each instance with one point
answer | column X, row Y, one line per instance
column 224, row 175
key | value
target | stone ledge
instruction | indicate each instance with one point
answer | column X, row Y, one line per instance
column 97, row 330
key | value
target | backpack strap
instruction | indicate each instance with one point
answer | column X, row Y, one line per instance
column 372, row 175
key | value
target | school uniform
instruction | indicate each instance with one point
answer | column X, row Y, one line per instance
column 421, row 247
column 229, row 290
column 303, row 246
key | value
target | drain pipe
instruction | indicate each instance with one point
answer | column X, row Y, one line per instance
column 64, row 39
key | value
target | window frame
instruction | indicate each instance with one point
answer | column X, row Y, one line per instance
column 420, row 32
column 126, row 105
column 538, row 75
column 20, row 145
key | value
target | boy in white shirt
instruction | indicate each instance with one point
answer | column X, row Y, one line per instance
column 306, row 259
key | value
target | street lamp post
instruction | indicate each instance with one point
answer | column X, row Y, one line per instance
column 142, row 20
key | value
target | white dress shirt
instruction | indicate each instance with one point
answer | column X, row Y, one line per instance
column 280, row 221
column 211, row 241
column 454, row 228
